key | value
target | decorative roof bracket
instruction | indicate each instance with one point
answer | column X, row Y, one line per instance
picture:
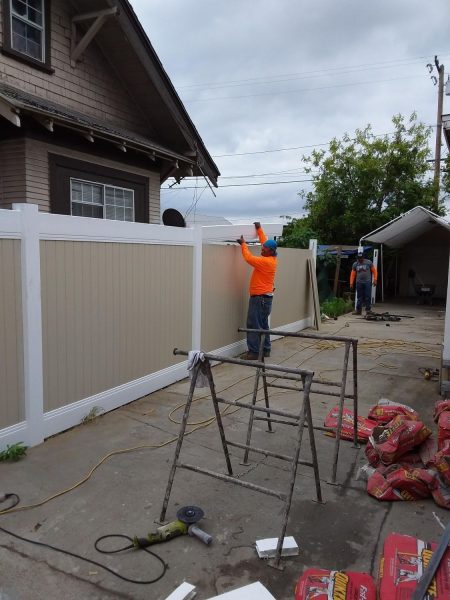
column 100, row 17
column 8, row 112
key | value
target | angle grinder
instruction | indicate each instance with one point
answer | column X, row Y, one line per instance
column 187, row 516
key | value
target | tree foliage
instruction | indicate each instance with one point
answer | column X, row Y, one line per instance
column 364, row 181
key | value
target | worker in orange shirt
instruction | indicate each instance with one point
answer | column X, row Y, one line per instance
column 261, row 290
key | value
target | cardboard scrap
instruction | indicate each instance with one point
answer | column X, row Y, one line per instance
column 268, row 548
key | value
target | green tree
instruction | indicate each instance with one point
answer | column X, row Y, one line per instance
column 363, row 182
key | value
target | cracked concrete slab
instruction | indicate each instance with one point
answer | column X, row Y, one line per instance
column 124, row 494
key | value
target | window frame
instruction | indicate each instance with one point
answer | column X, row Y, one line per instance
column 9, row 50
column 104, row 186
column 63, row 168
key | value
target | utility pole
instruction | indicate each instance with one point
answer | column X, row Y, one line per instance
column 437, row 154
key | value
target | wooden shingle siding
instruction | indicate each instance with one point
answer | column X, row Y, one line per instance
column 37, row 179
column 12, row 172
column 90, row 87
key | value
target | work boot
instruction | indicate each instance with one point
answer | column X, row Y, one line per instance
column 357, row 312
column 266, row 353
column 249, row 356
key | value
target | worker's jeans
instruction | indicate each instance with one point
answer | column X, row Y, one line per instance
column 363, row 292
column 259, row 308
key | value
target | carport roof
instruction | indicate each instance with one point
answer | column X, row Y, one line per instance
column 406, row 227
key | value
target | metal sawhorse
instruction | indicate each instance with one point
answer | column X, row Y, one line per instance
column 266, row 372
column 301, row 419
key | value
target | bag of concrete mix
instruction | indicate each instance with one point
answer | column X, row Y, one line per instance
column 320, row 584
column 440, row 407
column 441, row 493
column 398, row 482
column 427, row 450
column 398, row 437
column 443, row 429
column 365, row 426
column 385, row 410
column 441, row 462
column 405, row 559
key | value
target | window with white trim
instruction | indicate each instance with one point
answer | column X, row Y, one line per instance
column 101, row 201
column 28, row 28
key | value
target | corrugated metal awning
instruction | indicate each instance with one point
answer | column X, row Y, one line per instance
column 407, row 227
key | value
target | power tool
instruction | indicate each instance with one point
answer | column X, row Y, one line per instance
column 187, row 516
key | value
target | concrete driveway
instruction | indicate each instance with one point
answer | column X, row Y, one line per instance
column 124, row 494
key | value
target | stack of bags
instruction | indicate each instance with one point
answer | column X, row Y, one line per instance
column 405, row 462
column 405, row 560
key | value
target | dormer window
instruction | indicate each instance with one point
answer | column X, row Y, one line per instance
column 26, row 27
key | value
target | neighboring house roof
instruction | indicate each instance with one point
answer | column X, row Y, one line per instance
column 407, row 227
column 125, row 45
column 206, row 220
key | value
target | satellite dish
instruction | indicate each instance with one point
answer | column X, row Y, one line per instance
column 173, row 218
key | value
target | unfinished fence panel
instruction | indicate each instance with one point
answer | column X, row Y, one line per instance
column 319, row 386
column 300, row 419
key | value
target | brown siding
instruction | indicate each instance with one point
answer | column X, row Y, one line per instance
column 91, row 87
column 12, row 172
column 37, row 175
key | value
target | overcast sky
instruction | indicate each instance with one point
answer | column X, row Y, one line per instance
column 264, row 81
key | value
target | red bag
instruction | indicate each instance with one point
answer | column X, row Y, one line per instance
column 441, row 462
column 365, row 426
column 320, row 584
column 398, row 482
column 371, row 454
column 427, row 450
column 404, row 560
column 439, row 407
column 441, row 493
column 443, row 428
column 398, row 437
column 386, row 410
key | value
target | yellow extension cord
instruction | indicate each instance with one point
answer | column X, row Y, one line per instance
column 367, row 347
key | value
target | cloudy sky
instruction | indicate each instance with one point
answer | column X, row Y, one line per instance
column 265, row 81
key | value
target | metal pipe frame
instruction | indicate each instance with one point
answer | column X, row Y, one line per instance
column 301, row 420
column 349, row 342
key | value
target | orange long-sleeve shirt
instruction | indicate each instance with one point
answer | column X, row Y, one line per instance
column 264, row 269
column 364, row 267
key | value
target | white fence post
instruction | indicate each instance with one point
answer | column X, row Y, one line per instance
column 197, row 289
column 32, row 323
column 313, row 248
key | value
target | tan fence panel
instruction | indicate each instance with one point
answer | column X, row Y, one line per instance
column 224, row 295
column 112, row 313
column 293, row 297
column 11, row 349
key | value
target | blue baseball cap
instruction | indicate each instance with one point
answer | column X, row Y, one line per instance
column 271, row 244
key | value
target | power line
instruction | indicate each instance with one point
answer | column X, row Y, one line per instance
column 242, row 184
column 326, row 87
column 271, row 79
column 298, row 147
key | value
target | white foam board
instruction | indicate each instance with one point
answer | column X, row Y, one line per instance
column 254, row 591
column 267, row 548
column 185, row 591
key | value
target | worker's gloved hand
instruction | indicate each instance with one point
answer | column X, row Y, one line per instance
column 351, row 287
column 257, row 225
column 241, row 240
column 374, row 284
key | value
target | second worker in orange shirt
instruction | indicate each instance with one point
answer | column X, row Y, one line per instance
column 261, row 291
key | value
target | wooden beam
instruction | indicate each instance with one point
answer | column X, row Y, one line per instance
column 7, row 111
column 100, row 17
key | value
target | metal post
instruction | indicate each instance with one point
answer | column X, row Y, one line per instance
column 255, row 393
column 341, row 411
column 355, row 392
